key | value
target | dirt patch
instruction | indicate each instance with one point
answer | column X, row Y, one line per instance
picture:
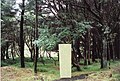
column 117, row 69
column 14, row 74
column 23, row 74
column 83, row 76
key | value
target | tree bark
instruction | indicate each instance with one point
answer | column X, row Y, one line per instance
column 7, row 47
column 21, row 35
column 88, row 46
column 77, row 49
column 108, row 51
column 93, row 49
column 85, row 50
column 111, row 50
column 12, row 53
column 75, row 61
column 101, row 52
column 104, row 55
column 30, row 47
column 3, row 53
column 36, row 37
column 119, row 42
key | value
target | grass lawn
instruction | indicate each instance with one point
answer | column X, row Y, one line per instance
column 11, row 71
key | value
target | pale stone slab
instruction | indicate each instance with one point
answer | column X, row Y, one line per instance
column 65, row 60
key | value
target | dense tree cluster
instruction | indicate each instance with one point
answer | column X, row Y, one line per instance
column 91, row 26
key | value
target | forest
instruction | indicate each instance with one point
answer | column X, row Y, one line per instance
column 31, row 31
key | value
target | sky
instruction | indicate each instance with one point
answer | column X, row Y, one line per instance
column 17, row 6
column 18, row 1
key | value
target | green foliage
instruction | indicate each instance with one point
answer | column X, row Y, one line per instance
column 3, row 42
column 81, row 28
column 47, row 40
column 8, row 24
column 7, row 8
column 49, row 37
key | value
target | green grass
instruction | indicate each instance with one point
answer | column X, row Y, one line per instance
column 49, row 65
column 53, row 70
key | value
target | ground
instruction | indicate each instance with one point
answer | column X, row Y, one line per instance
column 50, row 72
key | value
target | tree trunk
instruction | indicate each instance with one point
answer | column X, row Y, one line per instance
column 21, row 35
column 30, row 47
column 111, row 51
column 58, row 55
column 31, row 51
column 3, row 53
column 104, row 57
column 31, row 54
column 101, row 52
column 88, row 46
column 93, row 49
column 36, row 37
column 85, row 51
column 12, row 52
column 77, row 49
column 7, row 47
column 108, row 53
column 119, row 41
column 75, row 61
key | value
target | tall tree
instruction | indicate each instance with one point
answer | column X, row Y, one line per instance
column 8, row 25
column 36, row 37
column 21, row 35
